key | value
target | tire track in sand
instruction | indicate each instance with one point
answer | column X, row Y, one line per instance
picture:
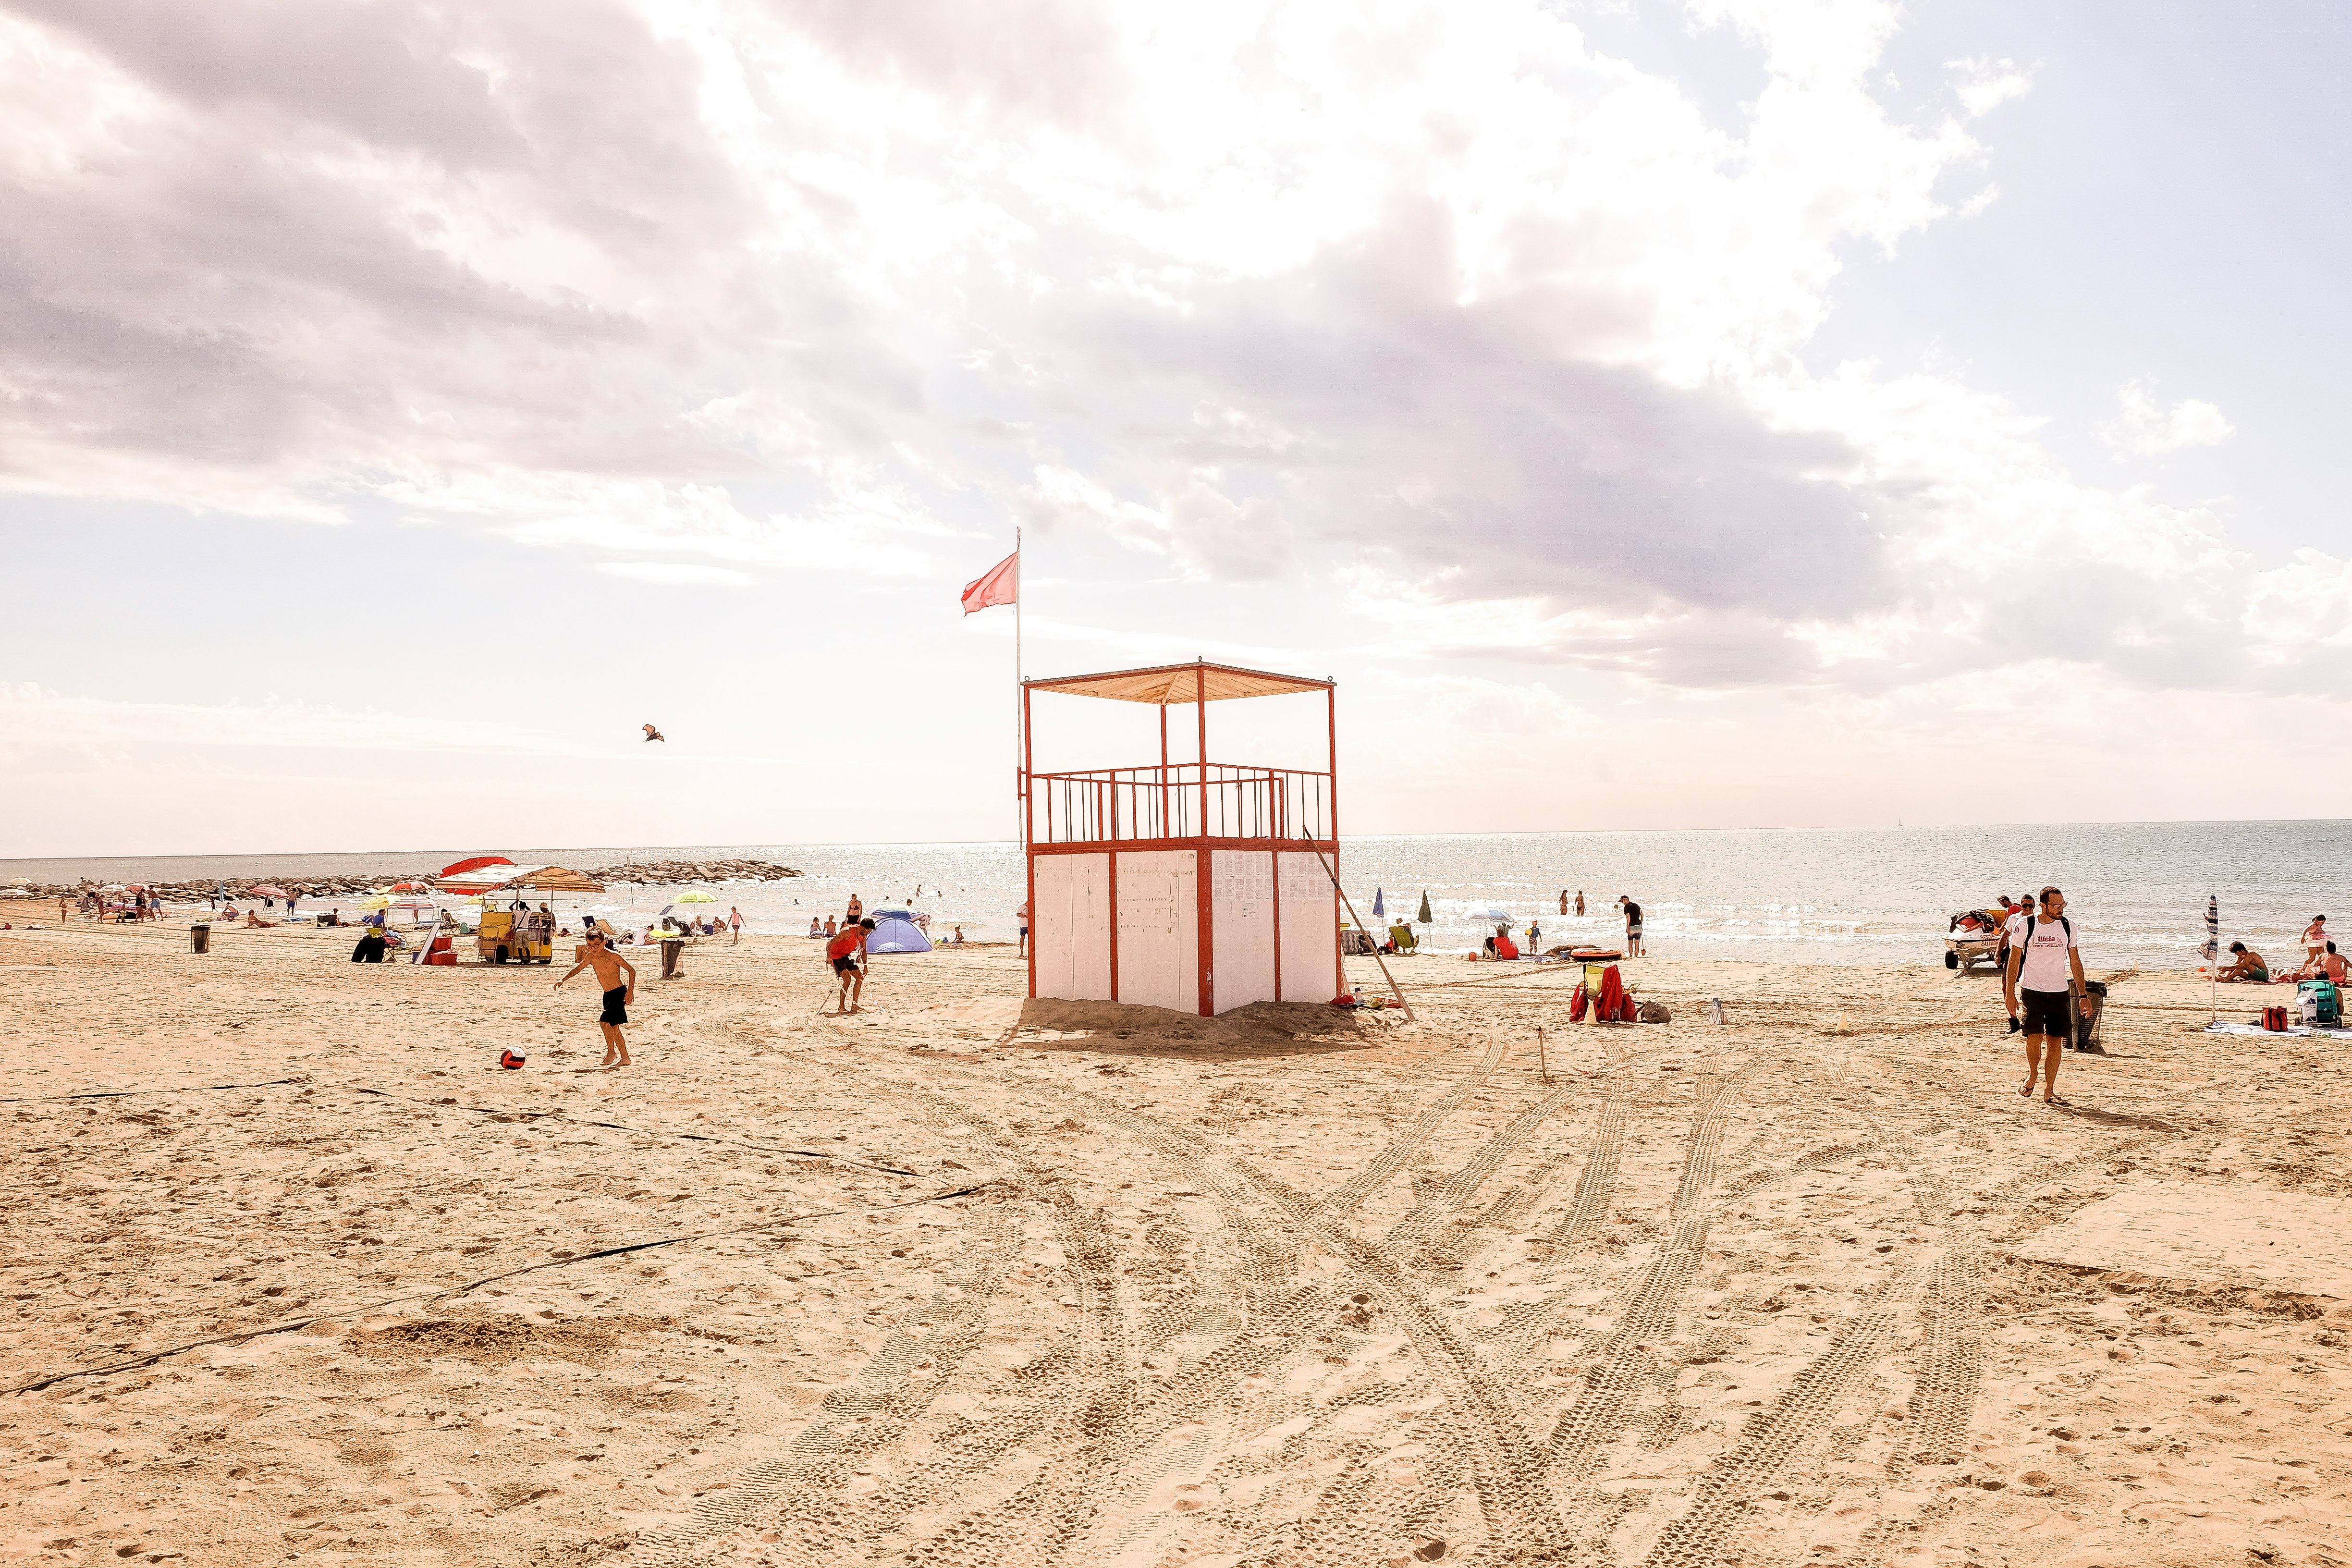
column 1368, row 1180
column 1701, row 1535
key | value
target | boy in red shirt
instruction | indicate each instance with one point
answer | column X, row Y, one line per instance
column 846, row 953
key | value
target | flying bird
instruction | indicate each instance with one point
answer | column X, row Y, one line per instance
column 654, row 734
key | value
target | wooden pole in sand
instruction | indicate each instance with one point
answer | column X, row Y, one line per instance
column 1541, row 1060
column 1361, row 927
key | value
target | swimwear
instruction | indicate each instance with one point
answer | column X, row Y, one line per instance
column 845, row 965
column 614, row 1012
column 2258, row 974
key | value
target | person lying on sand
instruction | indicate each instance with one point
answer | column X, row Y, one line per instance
column 2248, row 967
column 255, row 922
column 618, row 993
column 2329, row 965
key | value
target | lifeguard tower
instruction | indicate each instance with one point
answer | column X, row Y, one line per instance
column 1197, row 886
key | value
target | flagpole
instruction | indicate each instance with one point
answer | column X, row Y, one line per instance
column 1019, row 671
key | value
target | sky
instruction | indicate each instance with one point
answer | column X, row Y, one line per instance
column 1719, row 414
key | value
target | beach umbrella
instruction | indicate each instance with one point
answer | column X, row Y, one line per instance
column 1380, row 911
column 271, row 890
column 475, row 864
column 2212, row 951
column 114, row 888
column 695, row 897
column 893, row 933
column 398, row 888
column 377, row 902
column 1424, row 916
column 558, row 880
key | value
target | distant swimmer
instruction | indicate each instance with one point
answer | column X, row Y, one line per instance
column 654, row 734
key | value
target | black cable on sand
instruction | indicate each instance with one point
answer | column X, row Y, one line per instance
column 474, row 1110
column 622, row 1126
column 125, row 1093
column 289, row 1327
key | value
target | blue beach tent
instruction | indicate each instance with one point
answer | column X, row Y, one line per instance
column 895, row 930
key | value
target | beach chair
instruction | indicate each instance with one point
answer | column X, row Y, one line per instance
column 1403, row 936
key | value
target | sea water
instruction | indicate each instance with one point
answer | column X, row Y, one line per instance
column 2136, row 891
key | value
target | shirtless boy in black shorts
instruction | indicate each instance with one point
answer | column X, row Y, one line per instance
column 609, row 967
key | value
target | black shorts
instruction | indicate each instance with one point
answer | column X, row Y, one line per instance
column 2049, row 1013
column 845, row 965
column 614, row 1012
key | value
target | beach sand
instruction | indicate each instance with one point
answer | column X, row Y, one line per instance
column 966, row 1280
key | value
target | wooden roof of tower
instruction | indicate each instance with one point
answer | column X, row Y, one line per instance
column 1167, row 685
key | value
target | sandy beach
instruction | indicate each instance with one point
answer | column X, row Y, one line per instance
column 292, row 1271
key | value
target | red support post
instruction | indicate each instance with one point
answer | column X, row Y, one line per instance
column 1331, row 761
column 1111, row 859
column 1206, row 857
column 1276, row 855
column 1029, row 834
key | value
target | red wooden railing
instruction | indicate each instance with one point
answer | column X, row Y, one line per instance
column 1181, row 800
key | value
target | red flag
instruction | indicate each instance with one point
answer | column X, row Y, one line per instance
column 1002, row 585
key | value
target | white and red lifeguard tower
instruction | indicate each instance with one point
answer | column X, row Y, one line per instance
column 1197, row 886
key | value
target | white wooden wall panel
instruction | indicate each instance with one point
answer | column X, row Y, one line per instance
column 1240, row 915
column 1160, row 929
column 1072, row 927
column 1310, row 924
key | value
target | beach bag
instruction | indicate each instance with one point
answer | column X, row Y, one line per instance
column 1577, row 1004
column 2274, row 1020
column 2327, row 1006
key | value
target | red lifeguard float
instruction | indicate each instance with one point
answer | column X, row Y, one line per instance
column 1196, row 886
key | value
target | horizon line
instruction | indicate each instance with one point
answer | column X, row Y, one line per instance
column 1011, row 843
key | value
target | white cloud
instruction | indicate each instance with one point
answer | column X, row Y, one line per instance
column 1983, row 84
column 2145, row 428
column 1436, row 296
column 677, row 574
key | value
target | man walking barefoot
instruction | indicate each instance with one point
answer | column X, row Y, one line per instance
column 618, row 993
column 847, row 953
column 2047, row 966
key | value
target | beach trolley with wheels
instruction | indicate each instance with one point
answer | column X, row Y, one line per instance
column 1197, row 886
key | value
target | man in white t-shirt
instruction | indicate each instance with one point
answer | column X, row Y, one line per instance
column 2046, row 966
column 2011, row 931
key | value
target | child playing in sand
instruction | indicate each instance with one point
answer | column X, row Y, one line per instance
column 609, row 967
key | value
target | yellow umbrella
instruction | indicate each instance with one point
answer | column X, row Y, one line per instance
column 694, row 898
column 377, row 902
